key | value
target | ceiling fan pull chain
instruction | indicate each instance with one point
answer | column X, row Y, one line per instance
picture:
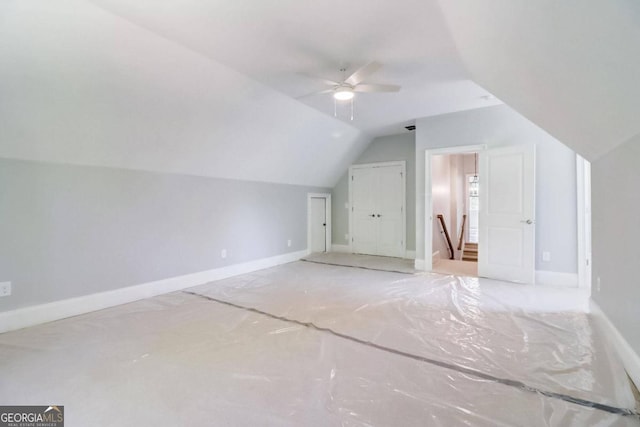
column 351, row 109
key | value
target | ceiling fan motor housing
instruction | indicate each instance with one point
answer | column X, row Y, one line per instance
column 343, row 92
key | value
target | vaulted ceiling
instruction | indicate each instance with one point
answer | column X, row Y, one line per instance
column 276, row 41
column 210, row 87
column 572, row 66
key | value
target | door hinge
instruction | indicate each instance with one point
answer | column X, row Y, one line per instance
column 352, row 240
column 351, row 177
column 401, row 174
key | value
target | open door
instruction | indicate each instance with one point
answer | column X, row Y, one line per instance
column 506, row 249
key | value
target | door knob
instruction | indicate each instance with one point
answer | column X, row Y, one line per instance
column 528, row 221
column 324, row 225
column 379, row 215
column 372, row 215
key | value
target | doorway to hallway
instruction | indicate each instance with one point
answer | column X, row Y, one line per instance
column 501, row 196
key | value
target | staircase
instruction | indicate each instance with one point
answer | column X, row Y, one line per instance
column 470, row 252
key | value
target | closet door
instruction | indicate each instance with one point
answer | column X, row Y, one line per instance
column 364, row 232
column 377, row 197
column 390, row 211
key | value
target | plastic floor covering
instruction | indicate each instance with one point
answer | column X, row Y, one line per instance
column 316, row 344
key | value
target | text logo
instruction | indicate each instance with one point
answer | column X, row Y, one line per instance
column 32, row 416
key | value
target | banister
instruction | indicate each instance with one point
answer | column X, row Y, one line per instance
column 443, row 227
column 464, row 223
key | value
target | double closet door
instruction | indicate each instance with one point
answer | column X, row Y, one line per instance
column 377, row 195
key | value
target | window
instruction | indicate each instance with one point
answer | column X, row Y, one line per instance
column 473, row 191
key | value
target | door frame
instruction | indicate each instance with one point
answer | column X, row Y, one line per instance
column 428, row 196
column 403, row 165
column 583, row 186
column 327, row 215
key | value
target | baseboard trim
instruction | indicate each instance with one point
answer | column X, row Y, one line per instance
column 410, row 255
column 418, row 264
column 340, row 248
column 43, row 313
column 435, row 257
column 553, row 278
column 630, row 359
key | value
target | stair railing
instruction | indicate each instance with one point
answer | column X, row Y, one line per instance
column 445, row 234
column 464, row 223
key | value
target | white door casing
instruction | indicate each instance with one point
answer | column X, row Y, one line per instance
column 318, row 225
column 377, row 214
column 506, row 248
column 583, row 180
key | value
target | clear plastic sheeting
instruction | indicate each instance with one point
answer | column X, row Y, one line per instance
column 371, row 262
column 185, row 359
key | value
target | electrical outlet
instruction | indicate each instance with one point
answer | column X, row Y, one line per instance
column 598, row 284
column 5, row 289
column 289, row 243
column 223, row 253
column 546, row 256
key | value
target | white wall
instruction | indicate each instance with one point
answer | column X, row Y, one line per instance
column 68, row 231
column 615, row 182
column 555, row 175
column 441, row 185
column 461, row 164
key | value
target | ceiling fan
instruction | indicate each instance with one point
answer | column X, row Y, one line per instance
column 346, row 89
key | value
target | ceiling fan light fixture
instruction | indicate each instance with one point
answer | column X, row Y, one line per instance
column 343, row 93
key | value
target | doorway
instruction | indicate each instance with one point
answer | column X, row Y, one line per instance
column 506, row 211
column 455, row 199
column 319, row 222
column 377, row 209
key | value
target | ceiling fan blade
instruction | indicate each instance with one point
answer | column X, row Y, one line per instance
column 322, row 79
column 363, row 73
column 321, row 92
column 377, row 88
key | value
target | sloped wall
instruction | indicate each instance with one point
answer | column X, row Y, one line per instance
column 570, row 67
column 83, row 86
column 127, row 158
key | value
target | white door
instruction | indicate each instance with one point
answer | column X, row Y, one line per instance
column 377, row 201
column 318, row 224
column 506, row 247
column 390, row 211
column 363, row 202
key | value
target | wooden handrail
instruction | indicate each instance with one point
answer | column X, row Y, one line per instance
column 464, row 223
column 446, row 235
